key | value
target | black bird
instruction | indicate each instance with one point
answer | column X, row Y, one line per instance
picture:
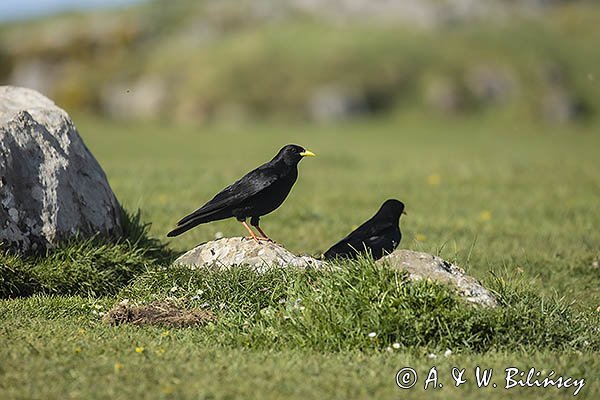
column 255, row 194
column 379, row 236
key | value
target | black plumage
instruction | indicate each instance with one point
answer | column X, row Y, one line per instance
column 257, row 193
column 378, row 236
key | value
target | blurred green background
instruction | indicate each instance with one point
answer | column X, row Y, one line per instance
column 240, row 61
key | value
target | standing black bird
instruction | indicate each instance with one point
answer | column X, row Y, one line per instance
column 255, row 194
column 379, row 236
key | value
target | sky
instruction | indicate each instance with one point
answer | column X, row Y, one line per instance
column 11, row 10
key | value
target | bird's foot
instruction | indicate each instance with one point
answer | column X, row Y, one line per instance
column 259, row 239
column 266, row 239
column 255, row 238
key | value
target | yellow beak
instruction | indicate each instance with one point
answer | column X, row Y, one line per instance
column 308, row 153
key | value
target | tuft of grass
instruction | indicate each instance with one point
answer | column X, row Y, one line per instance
column 95, row 267
column 14, row 279
column 365, row 306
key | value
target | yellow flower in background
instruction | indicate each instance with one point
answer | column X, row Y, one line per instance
column 165, row 333
column 160, row 351
column 434, row 179
column 419, row 237
column 118, row 367
column 485, row 215
column 77, row 349
column 167, row 389
column 139, row 350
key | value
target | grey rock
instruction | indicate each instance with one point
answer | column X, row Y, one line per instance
column 426, row 266
column 329, row 103
column 51, row 186
column 444, row 94
column 426, row 14
column 558, row 105
column 489, row 83
column 230, row 252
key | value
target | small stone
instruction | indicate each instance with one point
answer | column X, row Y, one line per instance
column 230, row 252
column 426, row 266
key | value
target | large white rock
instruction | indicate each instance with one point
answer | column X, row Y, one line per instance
column 51, row 186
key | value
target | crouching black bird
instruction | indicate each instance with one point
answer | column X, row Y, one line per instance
column 255, row 194
column 379, row 236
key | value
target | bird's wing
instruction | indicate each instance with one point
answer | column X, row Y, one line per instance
column 368, row 233
column 247, row 186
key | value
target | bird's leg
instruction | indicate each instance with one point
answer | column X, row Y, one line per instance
column 254, row 222
column 250, row 231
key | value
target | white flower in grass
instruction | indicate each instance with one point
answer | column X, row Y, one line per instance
column 432, row 356
column 447, row 353
column 389, row 349
column 396, row 345
column 372, row 335
column 174, row 289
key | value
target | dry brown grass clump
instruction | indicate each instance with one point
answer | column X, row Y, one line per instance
column 158, row 313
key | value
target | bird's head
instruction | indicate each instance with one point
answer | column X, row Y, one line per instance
column 392, row 209
column 291, row 154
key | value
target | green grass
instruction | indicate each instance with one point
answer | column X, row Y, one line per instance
column 325, row 311
column 95, row 266
column 514, row 203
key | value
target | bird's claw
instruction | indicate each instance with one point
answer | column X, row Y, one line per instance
column 259, row 239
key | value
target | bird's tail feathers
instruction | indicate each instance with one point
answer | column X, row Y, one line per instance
column 180, row 229
column 195, row 219
column 200, row 213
